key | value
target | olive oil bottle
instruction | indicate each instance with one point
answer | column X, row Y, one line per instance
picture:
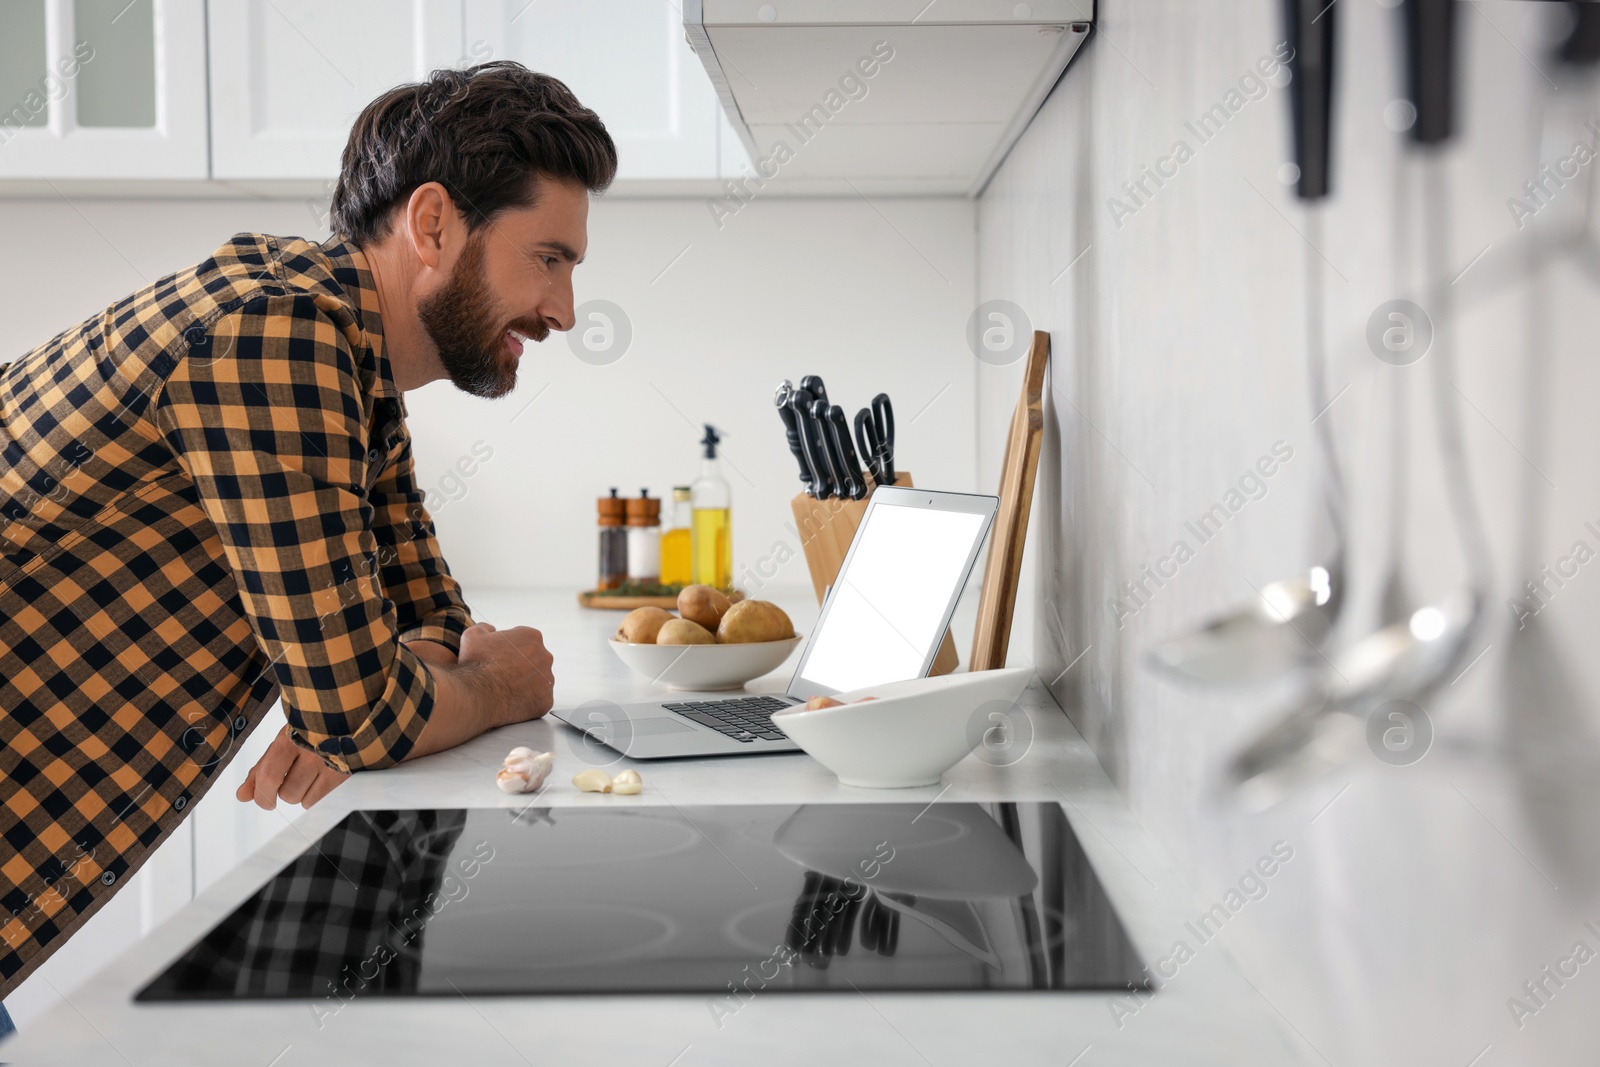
column 677, row 557
column 710, row 502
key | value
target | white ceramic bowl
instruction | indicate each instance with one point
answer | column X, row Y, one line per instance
column 705, row 667
column 914, row 732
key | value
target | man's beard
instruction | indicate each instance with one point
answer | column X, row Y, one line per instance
column 464, row 324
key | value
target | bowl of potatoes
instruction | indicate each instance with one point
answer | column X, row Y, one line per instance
column 711, row 643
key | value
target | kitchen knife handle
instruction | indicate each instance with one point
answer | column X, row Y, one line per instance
column 812, row 384
column 811, row 441
column 841, row 477
column 1310, row 28
column 791, row 431
column 856, row 481
column 1430, row 27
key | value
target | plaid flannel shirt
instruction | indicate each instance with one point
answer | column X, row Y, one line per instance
column 207, row 499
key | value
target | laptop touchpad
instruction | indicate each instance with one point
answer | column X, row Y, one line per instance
column 656, row 724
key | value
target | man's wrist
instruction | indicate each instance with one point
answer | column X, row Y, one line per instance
column 488, row 697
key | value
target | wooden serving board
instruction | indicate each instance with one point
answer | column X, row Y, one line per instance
column 594, row 598
column 1017, row 475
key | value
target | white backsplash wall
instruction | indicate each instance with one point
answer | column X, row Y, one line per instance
column 872, row 295
column 1177, row 321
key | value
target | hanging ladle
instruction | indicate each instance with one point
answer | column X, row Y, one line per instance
column 1407, row 660
column 1290, row 620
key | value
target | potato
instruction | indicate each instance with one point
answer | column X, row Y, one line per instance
column 752, row 621
column 702, row 604
column 640, row 626
column 786, row 627
column 684, row 632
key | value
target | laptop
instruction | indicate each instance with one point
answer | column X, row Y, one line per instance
column 882, row 621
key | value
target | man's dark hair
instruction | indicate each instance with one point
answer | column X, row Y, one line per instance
column 483, row 133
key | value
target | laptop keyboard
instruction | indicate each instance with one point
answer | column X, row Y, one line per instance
column 747, row 719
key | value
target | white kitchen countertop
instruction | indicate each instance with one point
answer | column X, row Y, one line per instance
column 1207, row 1014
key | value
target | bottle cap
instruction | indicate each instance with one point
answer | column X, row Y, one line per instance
column 644, row 511
column 612, row 509
column 680, row 493
column 710, row 441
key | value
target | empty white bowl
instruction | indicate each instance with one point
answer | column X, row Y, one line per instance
column 911, row 734
column 705, row 667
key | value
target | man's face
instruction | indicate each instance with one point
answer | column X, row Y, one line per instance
column 511, row 283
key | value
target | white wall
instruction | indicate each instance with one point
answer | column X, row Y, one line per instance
column 872, row 296
column 1178, row 341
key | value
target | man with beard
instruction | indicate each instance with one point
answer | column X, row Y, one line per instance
column 207, row 497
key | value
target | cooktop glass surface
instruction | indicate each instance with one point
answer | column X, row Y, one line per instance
column 721, row 901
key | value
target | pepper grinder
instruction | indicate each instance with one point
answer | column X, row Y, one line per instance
column 613, row 541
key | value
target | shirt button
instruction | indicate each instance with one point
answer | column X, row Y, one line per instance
column 108, row 878
column 240, row 723
column 181, row 803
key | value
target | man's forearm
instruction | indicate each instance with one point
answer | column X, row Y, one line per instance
column 499, row 678
column 466, row 703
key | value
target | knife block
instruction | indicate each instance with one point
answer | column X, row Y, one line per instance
column 825, row 529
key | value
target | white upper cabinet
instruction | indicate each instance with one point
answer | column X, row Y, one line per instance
column 103, row 89
column 288, row 77
column 628, row 61
column 120, row 89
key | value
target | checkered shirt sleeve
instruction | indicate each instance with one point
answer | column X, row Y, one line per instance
column 275, row 438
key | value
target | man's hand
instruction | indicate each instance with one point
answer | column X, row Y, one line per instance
column 513, row 661
column 289, row 773
column 501, row 677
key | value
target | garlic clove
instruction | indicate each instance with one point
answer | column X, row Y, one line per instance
column 592, row 781
column 521, row 752
column 627, row 783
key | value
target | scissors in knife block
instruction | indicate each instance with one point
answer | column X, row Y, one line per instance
column 875, row 435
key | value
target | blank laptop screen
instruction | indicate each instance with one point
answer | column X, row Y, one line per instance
column 887, row 609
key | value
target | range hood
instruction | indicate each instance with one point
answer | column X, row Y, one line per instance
column 887, row 96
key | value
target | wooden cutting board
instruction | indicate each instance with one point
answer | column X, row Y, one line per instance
column 1017, row 475
column 594, row 598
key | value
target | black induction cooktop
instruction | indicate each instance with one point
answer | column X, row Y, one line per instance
column 709, row 900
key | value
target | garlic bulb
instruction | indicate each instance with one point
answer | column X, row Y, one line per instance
column 524, row 771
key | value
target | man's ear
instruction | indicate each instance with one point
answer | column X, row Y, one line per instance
column 430, row 214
